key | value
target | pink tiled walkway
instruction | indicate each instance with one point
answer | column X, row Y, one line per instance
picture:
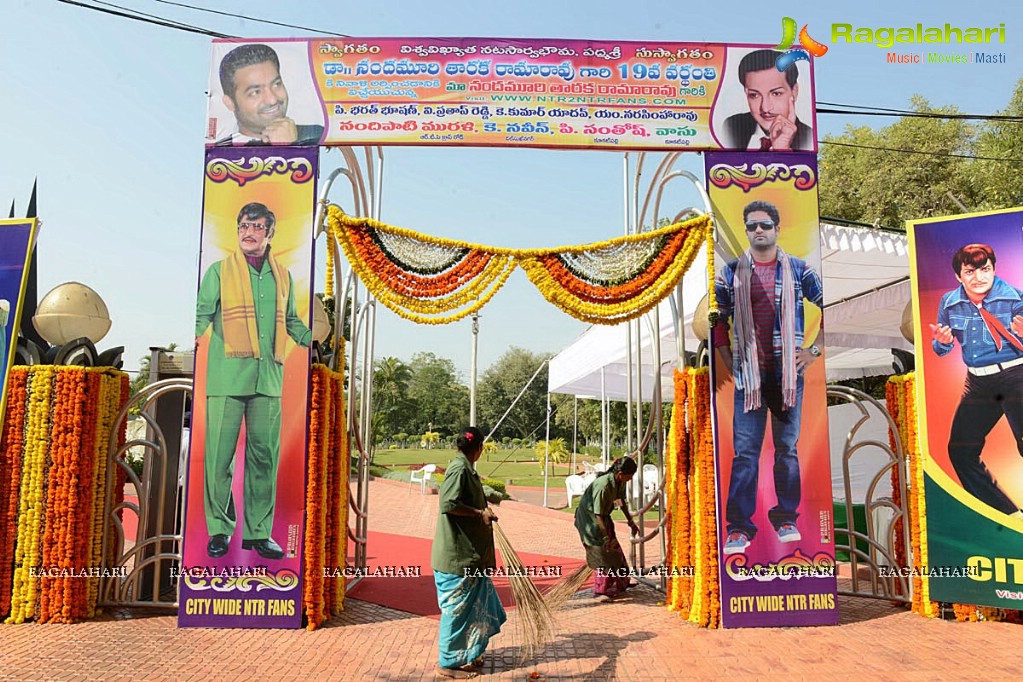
column 632, row 639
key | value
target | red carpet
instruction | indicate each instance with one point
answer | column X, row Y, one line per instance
column 130, row 520
column 418, row 595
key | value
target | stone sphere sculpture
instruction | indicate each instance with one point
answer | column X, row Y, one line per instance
column 321, row 323
column 699, row 324
column 906, row 327
column 71, row 311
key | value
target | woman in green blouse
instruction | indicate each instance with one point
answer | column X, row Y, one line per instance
column 597, row 531
column 463, row 560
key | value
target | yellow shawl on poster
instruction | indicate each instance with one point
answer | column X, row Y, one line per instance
column 238, row 308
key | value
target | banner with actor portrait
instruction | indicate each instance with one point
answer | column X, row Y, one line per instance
column 17, row 237
column 776, row 547
column 967, row 275
column 245, row 501
column 510, row 92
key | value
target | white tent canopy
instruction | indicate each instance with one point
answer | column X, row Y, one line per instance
column 866, row 288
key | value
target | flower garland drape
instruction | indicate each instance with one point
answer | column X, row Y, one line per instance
column 692, row 522
column 432, row 280
column 326, row 534
column 904, row 393
column 900, row 393
column 52, row 483
column 677, row 474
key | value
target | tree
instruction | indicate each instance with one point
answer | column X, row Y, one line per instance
column 437, row 399
column 589, row 420
column 502, row 382
column 997, row 184
column 870, row 184
column 391, row 378
column 554, row 451
column 585, row 413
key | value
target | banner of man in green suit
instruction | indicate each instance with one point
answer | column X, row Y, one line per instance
column 246, row 490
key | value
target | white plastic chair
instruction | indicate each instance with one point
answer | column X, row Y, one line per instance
column 422, row 476
column 651, row 477
column 575, row 485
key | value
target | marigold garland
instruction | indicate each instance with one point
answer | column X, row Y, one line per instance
column 315, row 492
column 11, row 449
column 328, row 290
column 31, row 511
column 435, row 281
column 692, row 522
column 341, row 469
column 892, row 390
column 706, row 606
column 53, row 436
column 712, row 299
column 906, row 410
column 326, row 497
column 677, row 477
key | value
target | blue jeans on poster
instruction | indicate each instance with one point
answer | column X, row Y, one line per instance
column 748, row 430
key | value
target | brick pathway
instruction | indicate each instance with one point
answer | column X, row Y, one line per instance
column 630, row 639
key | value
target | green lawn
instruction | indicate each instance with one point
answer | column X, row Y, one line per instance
column 520, row 467
column 650, row 517
column 493, row 465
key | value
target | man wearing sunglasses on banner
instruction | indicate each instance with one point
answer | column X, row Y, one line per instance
column 249, row 301
column 985, row 315
column 762, row 294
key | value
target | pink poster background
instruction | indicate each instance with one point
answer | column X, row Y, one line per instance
column 792, row 583
column 241, row 588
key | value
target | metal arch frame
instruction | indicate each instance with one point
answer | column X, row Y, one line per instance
column 634, row 221
column 123, row 590
column 363, row 329
column 366, row 199
column 896, row 588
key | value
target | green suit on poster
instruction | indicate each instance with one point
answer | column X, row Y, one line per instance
column 244, row 389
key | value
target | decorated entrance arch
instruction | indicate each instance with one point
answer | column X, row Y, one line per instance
column 260, row 188
column 618, row 95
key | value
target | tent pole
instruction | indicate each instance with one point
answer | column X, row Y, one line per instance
column 472, row 369
column 575, row 429
column 605, row 437
column 628, row 325
column 547, row 451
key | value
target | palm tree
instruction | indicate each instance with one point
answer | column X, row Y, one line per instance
column 391, row 379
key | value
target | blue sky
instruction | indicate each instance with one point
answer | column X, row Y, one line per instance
column 109, row 115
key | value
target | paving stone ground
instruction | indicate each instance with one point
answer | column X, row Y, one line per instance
column 634, row 638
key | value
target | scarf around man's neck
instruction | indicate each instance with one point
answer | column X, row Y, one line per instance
column 748, row 377
column 238, row 309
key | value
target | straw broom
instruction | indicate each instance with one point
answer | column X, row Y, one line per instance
column 536, row 623
column 557, row 596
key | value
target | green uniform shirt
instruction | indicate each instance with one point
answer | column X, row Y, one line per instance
column 598, row 500
column 462, row 542
column 247, row 376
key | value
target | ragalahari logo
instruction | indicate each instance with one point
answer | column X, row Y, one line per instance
column 792, row 55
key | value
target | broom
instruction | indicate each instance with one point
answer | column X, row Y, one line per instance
column 536, row 623
column 557, row 596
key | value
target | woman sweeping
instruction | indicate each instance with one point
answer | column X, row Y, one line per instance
column 462, row 560
column 597, row 531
